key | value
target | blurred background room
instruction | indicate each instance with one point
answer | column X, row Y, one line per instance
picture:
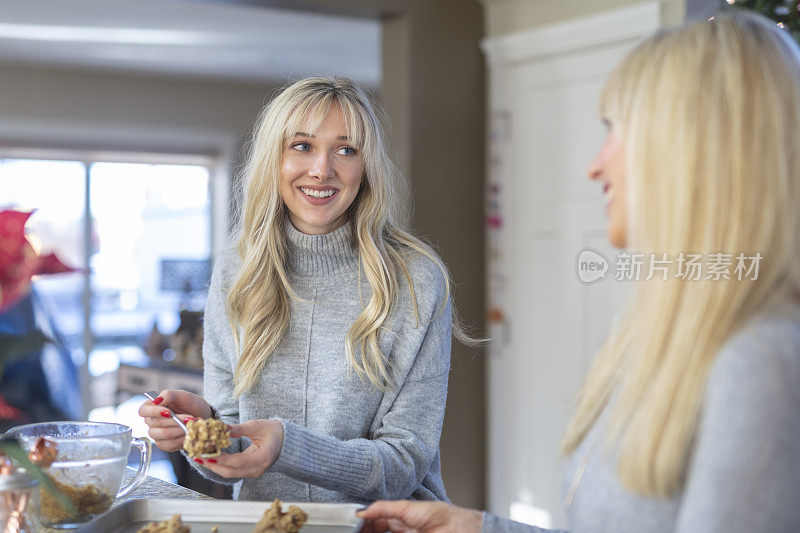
column 123, row 124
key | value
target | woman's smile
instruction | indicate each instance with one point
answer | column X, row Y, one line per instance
column 319, row 195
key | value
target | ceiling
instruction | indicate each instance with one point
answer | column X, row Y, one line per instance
column 237, row 41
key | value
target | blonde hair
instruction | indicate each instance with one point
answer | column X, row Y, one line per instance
column 259, row 298
column 709, row 117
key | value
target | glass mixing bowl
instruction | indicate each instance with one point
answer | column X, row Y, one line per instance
column 88, row 468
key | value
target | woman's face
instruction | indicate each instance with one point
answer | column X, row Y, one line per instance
column 608, row 167
column 320, row 175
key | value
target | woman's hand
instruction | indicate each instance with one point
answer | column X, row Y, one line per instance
column 267, row 440
column 420, row 517
column 163, row 429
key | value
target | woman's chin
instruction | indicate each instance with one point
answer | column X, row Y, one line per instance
column 317, row 226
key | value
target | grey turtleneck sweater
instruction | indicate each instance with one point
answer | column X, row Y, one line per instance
column 744, row 472
column 344, row 440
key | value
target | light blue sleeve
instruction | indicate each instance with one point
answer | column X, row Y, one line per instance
column 744, row 475
column 495, row 524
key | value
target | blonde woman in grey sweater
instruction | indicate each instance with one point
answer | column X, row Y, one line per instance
column 327, row 329
column 689, row 418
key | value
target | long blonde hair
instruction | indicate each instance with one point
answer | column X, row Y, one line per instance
column 709, row 117
column 259, row 298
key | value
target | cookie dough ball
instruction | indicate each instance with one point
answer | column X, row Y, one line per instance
column 206, row 436
column 276, row 521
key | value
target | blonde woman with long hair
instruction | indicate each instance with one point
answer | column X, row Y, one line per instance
column 327, row 329
column 689, row 417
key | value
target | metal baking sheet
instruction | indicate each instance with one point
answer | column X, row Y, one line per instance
column 230, row 516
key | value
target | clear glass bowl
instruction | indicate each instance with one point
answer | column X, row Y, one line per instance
column 88, row 468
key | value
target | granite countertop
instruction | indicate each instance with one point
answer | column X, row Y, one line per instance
column 153, row 487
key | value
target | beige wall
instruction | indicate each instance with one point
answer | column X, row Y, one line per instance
column 87, row 109
column 509, row 16
column 433, row 90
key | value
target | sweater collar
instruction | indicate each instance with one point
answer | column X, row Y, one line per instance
column 311, row 255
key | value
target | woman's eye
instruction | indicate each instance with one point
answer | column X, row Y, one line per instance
column 301, row 147
column 346, row 150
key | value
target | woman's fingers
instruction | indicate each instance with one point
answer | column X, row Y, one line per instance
column 223, row 466
column 385, row 516
column 253, row 429
column 424, row 517
column 385, row 509
column 398, row 526
column 170, row 445
column 149, row 410
column 249, row 463
column 180, row 402
column 168, row 436
column 166, row 433
column 167, row 439
column 166, row 421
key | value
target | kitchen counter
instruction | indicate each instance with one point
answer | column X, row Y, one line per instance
column 156, row 488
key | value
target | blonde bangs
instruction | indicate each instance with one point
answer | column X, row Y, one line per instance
column 307, row 116
column 620, row 88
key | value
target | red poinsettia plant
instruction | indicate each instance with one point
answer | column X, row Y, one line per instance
column 19, row 262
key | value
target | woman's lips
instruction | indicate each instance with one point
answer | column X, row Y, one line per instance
column 318, row 195
column 608, row 198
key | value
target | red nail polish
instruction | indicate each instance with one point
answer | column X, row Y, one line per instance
column 158, row 400
column 198, row 461
column 211, row 460
column 165, row 413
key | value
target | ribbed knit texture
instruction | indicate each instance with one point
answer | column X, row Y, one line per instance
column 744, row 472
column 344, row 439
column 321, row 255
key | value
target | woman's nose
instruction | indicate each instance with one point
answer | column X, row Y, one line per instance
column 321, row 167
column 595, row 169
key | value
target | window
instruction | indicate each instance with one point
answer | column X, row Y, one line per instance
column 139, row 226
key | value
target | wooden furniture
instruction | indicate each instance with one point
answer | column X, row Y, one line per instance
column 135, row 378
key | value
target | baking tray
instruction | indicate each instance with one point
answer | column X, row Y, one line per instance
column 230, row 516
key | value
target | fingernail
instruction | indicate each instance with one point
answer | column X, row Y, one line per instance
column 198, row 461
column 211, row 460
column 158, row 400
column 165, row 413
